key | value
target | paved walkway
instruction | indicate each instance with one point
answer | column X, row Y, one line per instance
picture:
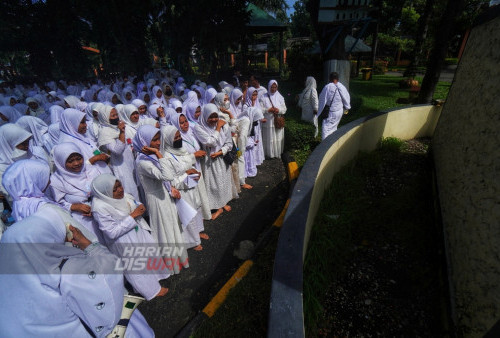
column 446, row 75
column 210, row 268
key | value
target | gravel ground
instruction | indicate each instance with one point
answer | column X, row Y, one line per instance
column 376, row 295
column 210, row 268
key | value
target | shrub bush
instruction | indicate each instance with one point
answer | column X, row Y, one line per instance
column 273, row 65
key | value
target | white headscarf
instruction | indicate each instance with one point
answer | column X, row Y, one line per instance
column 55, row 112
column 276, row 98
column 167, row 141
column 138, row 103
column 102, row 191
column 143, row 138
column 203, row 126
column 158, row 100
column 10, row 136
column 70, row 120
column 248, row 99
column 11, row 113
column 210, row 95
column 108, row 132
column 191, row 111
column 190, row 143
column 25, row 181
column 36, row 127
column 310, row 86
column 72, row 101
column 236, row 109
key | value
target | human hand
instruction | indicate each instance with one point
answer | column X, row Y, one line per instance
column 149, row 150
column 216, row 154
column 175, row 193
column 220, row 123
column 78, row 240
column 200, row 153
column 139, row 211
column 121, row 126
column 161, row 112
column 84, row 209
column 192, row 171
column 263, row 120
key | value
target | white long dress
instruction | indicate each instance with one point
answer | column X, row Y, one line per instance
column 122, row 232
column 337, row 96
column 273, row 138
column 308, row 100
column 179, row 161
column 259, row 148
column 217, row 174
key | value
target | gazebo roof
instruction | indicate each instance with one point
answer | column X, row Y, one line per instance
column 262, row 22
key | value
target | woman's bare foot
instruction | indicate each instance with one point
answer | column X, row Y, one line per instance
column 227, row 208
column 163, row 292
column 216, row 214
column 246, row 186
column 204, row 235
column 198, row 248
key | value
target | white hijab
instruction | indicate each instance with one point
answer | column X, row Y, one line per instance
column 10, row 136
column 102, row 191
column 36, row 127
column 108, row 132
column 25, row 181
column 11, row 113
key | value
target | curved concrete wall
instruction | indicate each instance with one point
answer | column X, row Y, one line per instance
column 286, row 312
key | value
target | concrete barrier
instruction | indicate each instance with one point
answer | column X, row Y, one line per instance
column 286, row 309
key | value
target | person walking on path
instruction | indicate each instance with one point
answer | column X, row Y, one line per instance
column 336, row 96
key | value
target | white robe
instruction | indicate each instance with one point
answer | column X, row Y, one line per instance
column 273, row 138
column 121, row 231
column 341, row 101
column 163, row 218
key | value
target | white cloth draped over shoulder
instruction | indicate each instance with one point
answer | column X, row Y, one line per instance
column 258, row 144
column 155, row 177
column 273, row 138
column 120, row 230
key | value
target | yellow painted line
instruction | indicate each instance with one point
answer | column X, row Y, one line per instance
column 279, row 221
column 293, row 171
column 220, row 297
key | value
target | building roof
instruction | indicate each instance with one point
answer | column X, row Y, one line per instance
column 263, row 22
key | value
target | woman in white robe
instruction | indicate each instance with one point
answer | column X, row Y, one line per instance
column 112, row 142
column 157, row 97
column 215, row 137
column 252, row 100
column 131, row 116
column 38, row 129
column 251, row 153
column 273, row 104
column 56, row 290
column 93, row 125
column 70, row 185
column 73, row 126
column 308, row 100
column 186, row 180
column 242, row 128
column 154, row 176
column 142, row 108
column 192, row 146
column 120, row 219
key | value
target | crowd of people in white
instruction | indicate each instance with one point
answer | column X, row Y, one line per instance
column 110, row 163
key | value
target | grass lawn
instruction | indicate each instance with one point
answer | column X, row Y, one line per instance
column 245, row 311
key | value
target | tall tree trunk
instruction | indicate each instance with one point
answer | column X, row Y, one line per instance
column 423, row 26
column 436, row 59
column 374, row 45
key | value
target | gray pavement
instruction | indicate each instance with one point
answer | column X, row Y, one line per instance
column 447, row 74
column 210, row 268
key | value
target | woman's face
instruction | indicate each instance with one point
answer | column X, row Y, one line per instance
column 274, row 88
column 113, row 114
column 13, row 101
column 3, row 117
column 33, row 105
column 177, row 136
column 213, row 119
column 155, row 142
column 134, row 117
column 142, row 109
column 82, row 127
column 183, row 123
column 178, row 110
column 24, row 145
column 226, row 99
column 238, row 100
column 114, row 99
column 147, row 98
column 94, row 114
column 118, row 192
column 197, row 113
column 159, row 93
column 198, row 94
column 128, row 96
column 254, row 96
column 74, row 163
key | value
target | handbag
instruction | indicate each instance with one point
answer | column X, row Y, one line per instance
column 324, row 113
column 279, row 119
column 231, row 155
